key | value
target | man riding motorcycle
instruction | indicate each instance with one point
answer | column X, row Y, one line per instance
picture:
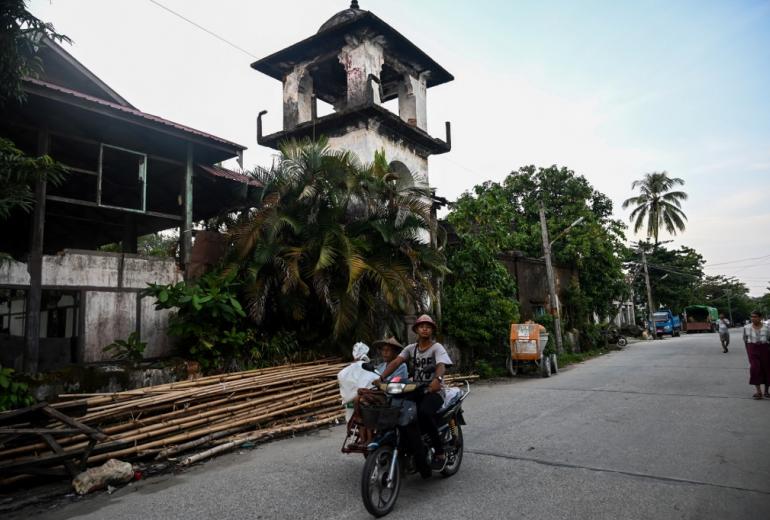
column 429, row 360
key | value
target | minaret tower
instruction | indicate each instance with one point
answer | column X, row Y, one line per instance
column 356, row 62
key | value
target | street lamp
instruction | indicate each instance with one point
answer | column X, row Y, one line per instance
column 550, row 275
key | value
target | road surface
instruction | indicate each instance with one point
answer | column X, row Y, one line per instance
column 660, row 430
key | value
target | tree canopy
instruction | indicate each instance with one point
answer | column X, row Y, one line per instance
column 20, row 36
column 674, row 276
column 504, row 217
column 337, row 249
column 661, row 207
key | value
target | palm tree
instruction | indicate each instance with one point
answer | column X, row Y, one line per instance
column 335, row 249
column 660, row 206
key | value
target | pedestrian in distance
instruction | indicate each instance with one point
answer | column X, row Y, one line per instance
column 756, row 337
column 724, row 332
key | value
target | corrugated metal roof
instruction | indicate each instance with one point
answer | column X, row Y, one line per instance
column 224, row 173
column 132, row 111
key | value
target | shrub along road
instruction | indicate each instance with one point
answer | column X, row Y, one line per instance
column 663, row 429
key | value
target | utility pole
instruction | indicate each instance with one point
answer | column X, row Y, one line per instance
column 729, row 307
column 551, row 280
column 649, row 296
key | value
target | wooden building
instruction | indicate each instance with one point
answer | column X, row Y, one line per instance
column 130, row 173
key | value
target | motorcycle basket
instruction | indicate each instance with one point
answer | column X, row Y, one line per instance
column 380, row 417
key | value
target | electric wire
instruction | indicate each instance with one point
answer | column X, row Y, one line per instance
column 738, row 261
column 212, row 33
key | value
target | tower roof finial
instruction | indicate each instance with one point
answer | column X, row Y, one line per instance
column 354, row 4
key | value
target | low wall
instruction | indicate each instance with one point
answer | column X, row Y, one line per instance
column 110, row 306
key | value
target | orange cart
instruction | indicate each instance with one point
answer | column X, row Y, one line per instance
column 528, row 341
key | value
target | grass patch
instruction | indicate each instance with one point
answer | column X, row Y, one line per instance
column 570, row 358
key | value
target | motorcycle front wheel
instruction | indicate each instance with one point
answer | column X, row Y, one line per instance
column 380, row 494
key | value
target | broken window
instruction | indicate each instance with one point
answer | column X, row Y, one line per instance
column 122, row 175
column 82, row 161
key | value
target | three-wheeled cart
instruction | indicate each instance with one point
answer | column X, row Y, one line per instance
column 527, row 342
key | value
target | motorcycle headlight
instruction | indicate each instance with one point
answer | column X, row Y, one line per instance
column 395, row 388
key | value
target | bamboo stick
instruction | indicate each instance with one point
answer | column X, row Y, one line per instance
column 258, row 435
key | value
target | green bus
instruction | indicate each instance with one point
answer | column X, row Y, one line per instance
column 700, row 318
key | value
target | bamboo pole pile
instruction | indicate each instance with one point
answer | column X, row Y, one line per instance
column 164, row 421
column 214, row 414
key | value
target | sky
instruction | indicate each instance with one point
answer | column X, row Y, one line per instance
column 611, row 90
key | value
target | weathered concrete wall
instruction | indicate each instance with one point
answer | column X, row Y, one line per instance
column 108, row 316
column 360, row 59
column 297, row 97
column 110, row 284
column 74, row 268
column 412, row 101
column 532, row 283
column 365, row 141
column 155, row 330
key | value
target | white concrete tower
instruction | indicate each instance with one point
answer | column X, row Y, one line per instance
column 356, row 62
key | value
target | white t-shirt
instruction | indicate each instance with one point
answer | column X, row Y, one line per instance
column 425, row 361
column 723, row 326
column 752, row 335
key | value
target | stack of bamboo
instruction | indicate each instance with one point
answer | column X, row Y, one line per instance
column 165, row 420
column 223, row 411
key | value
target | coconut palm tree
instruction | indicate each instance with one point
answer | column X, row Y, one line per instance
column 656, row 203
column 335, row 249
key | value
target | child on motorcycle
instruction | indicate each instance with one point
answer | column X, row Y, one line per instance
column 388, row 348
column 429, row 359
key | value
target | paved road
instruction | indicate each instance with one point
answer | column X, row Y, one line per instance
column 661, row 430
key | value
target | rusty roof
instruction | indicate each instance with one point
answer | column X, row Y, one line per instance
column 224, row 173
column 43, row 87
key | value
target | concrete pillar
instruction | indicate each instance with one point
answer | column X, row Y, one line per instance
column 412, row 101
column 362, row 59
column 297, row 97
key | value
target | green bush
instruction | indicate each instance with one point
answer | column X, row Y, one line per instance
column 591, row 337
column 13, row 393
column 486, row 369
column 479, row 301
column 209, row 319
column 131, row 349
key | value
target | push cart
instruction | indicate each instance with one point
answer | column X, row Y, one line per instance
column 528, row 343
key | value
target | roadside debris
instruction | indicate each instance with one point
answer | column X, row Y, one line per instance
column 109, row 475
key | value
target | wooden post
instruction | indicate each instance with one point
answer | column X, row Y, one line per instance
column 35, row 269
column 129, row 244
column 186, row 232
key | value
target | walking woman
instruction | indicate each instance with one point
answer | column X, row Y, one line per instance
column 756, row 336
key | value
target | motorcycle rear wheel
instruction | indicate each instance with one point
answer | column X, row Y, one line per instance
column 454, row 459
column 378, row 498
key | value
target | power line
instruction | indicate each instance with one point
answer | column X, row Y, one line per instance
column 673, row 271
column 215, row 35
column 738, row 261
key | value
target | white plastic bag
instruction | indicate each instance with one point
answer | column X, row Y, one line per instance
column 361, row 351
column 353, row 377
column 450, row 393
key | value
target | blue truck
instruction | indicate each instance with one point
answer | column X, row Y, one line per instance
column 667, row 323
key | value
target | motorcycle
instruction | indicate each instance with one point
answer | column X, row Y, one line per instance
column 396, row 448
column 613, row 336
